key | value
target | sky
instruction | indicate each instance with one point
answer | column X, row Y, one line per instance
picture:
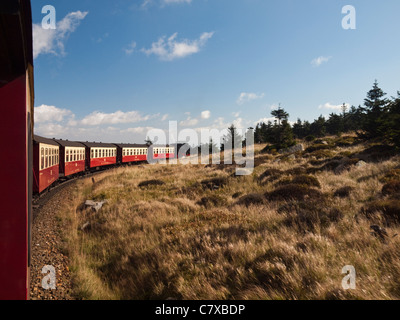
column 112, row 70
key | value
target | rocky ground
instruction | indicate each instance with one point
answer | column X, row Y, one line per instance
column 46, row 251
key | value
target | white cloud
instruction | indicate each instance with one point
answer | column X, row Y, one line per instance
column 131, row 48
column 238, row 123
column 330, row 106
column 54, row 122
column 320, row 60
column 189, row 122
column 171, row 49
column 49, row 41
column 139, row 130
column 118, row 117
column 46, row 113
column 165, row 117
column 248, row 96
column 206, row 114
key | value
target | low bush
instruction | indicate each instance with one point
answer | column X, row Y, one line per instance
column 251, row 199
column 270, row 175
column 391, row 175
column 293, row 192
column 390, row 209
column 214, row 183
column 321, row 154
column 150, row 183
column 212, row 201
column 343, row 192
column 296, row 171
column 303, row 179
column 391, row 188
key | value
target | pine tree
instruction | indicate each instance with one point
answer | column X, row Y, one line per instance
column 282, row 134
column 317, row 128
column 280, row 114
column 375, row 107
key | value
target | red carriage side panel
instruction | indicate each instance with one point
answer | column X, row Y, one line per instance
column 47, row 177
column 139, row 158
column 14, row 191
column 99, row 162
column 74, row 167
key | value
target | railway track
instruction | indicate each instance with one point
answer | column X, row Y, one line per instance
column 39, row 200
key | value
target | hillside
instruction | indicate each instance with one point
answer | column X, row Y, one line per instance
column 199, row 232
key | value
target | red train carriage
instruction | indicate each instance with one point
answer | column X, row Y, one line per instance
column 46, row 159
column 128, row 153
column 163, row 152
column 72, row 157
column 100, row 154
column 16, row 123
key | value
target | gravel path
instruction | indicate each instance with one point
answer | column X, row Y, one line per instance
column 46, row 244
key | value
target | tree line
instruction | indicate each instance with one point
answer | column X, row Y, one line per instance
column 378, row 118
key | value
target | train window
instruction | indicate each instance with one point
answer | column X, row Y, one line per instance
column 46, row 158
column 91, row 153
column 41, row 158
column 95, row 153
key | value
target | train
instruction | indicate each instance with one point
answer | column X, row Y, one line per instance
column 57, row 159
column 32, row 164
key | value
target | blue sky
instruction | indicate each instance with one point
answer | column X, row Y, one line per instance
column 113, row 69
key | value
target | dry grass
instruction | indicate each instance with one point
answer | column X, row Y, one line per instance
column 189, row 238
